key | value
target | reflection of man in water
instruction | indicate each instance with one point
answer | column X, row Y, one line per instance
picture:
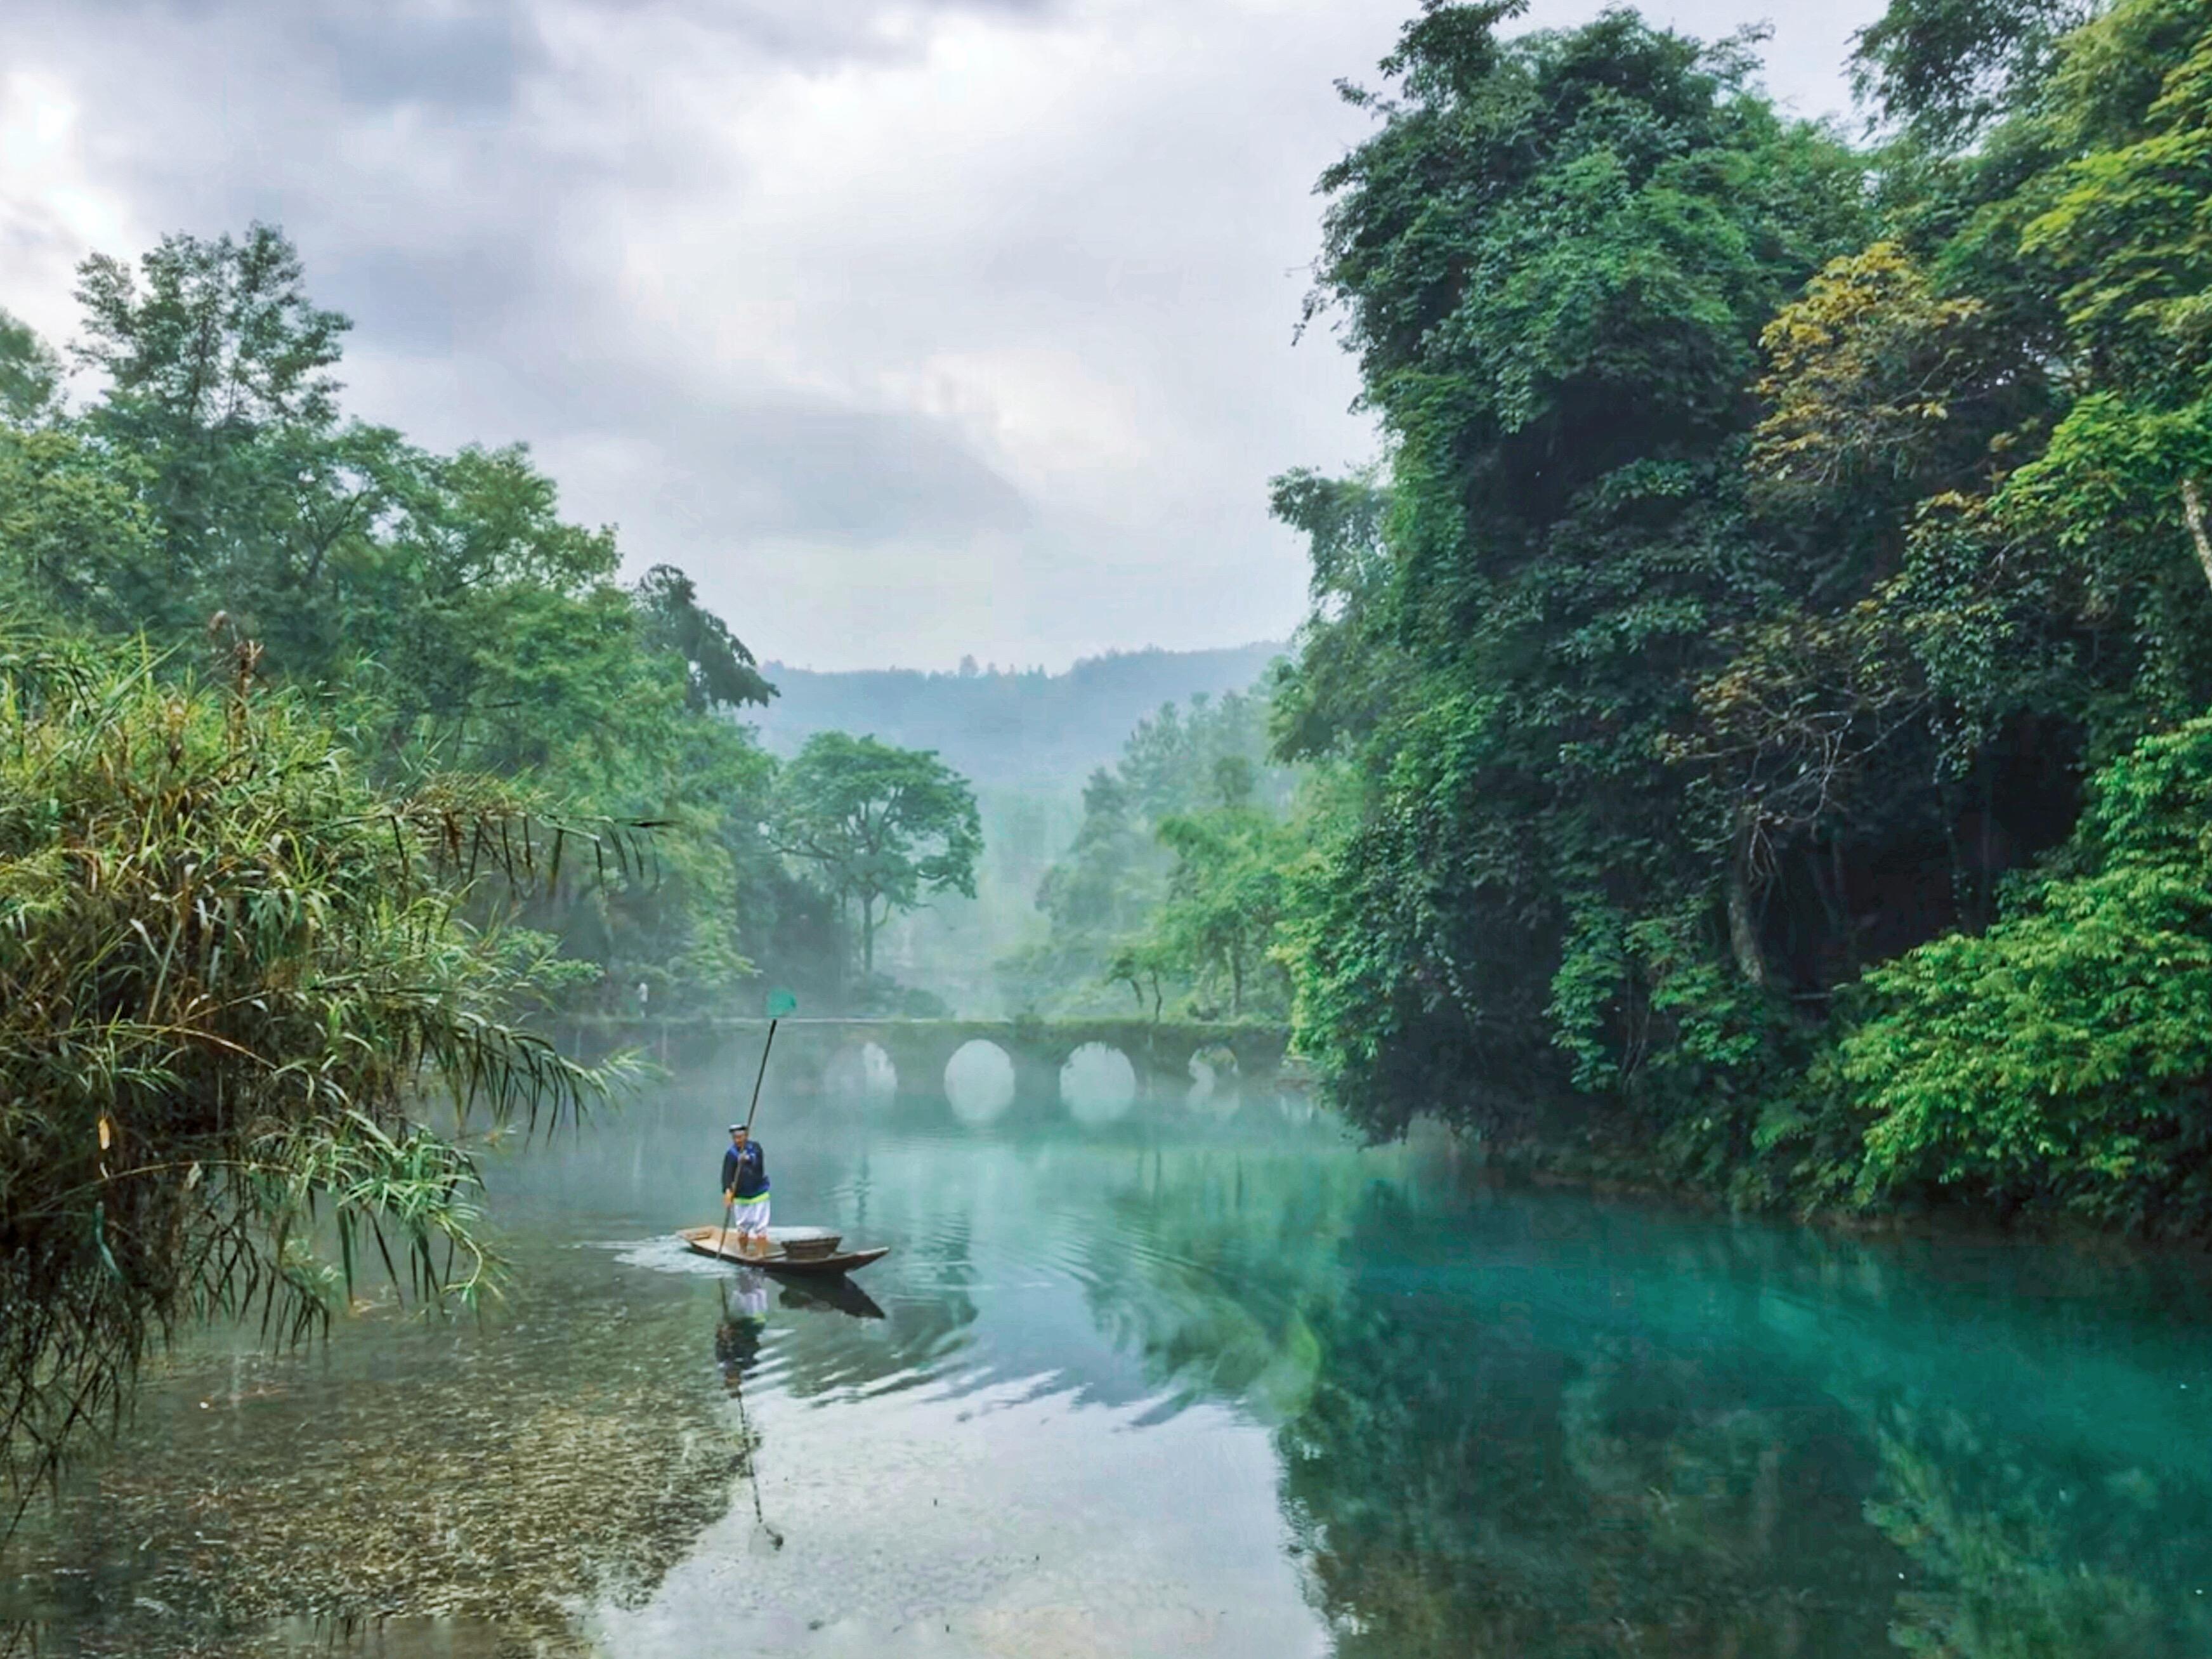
column 744, row 1317
column 745, row 1191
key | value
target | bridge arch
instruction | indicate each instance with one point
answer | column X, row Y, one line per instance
column 979, row 1081
column 1098, row 1082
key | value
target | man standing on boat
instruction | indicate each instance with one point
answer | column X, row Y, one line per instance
column 745, row 1191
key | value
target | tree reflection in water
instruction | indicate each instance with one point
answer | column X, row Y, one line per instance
column 1474, row 1472
column 2016, row 1556
column 1666, row 1437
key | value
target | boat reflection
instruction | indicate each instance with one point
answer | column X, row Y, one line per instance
column 836, row 1294
column 746, row 1302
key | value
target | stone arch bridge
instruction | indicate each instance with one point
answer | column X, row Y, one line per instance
column 1160, row 1053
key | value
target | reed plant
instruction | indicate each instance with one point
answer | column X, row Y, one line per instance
column 240, row 981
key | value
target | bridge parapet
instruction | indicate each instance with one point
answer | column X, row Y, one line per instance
column 1159, row 1052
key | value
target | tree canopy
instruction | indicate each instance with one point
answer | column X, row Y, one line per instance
column 885, row 828
column 1776, row 544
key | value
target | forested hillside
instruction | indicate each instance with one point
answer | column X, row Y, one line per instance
column 1761, row 693
column 1006, row 729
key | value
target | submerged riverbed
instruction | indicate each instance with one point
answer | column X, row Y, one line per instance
column 1207, row 1378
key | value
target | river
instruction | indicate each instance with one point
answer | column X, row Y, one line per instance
column 1207, row 1378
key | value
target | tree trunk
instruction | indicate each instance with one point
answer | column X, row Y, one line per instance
column 868, row 937
column 1743, row 924
column 1957, row 854
column 1986, row 851
column 1235, row 985
column 2192, row 509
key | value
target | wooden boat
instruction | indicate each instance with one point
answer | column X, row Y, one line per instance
column 797, row 1250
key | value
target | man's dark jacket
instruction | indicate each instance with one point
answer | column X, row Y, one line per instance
column 745, row 1173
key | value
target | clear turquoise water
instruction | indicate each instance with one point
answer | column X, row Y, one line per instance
column 1206, row 1379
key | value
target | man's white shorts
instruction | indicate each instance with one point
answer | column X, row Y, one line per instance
column 751, row 1216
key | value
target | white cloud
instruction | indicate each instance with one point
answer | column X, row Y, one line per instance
column 53, row 206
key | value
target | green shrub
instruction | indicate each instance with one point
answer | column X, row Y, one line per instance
column 229, row 965
column 2064, row 1058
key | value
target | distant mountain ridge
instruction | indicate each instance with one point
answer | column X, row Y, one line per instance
column 1005, row 729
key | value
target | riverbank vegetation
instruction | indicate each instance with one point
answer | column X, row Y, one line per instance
column 1782, row 617
column 1752, row 716
column 227, row 960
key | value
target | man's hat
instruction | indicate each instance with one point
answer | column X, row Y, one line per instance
column 734, row 1128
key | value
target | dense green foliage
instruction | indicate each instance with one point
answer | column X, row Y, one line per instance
column 1774, row 542
column 1143, row 898
column 227, row 960
column 1554, row 260
column 442, row 602
column 2065, row 1053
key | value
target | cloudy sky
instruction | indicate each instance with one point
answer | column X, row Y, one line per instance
column 911, row 327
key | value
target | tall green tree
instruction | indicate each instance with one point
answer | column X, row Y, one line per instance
column 218, row 372
column 1218, row 928
column 1553, row 260
column 882, row 828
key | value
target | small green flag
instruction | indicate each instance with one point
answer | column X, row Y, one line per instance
column 781, row 1003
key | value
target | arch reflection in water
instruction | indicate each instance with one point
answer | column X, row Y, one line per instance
column 863, row 1071
column 1203, row 1082
column 979, row 1081
column 1097, row 1084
